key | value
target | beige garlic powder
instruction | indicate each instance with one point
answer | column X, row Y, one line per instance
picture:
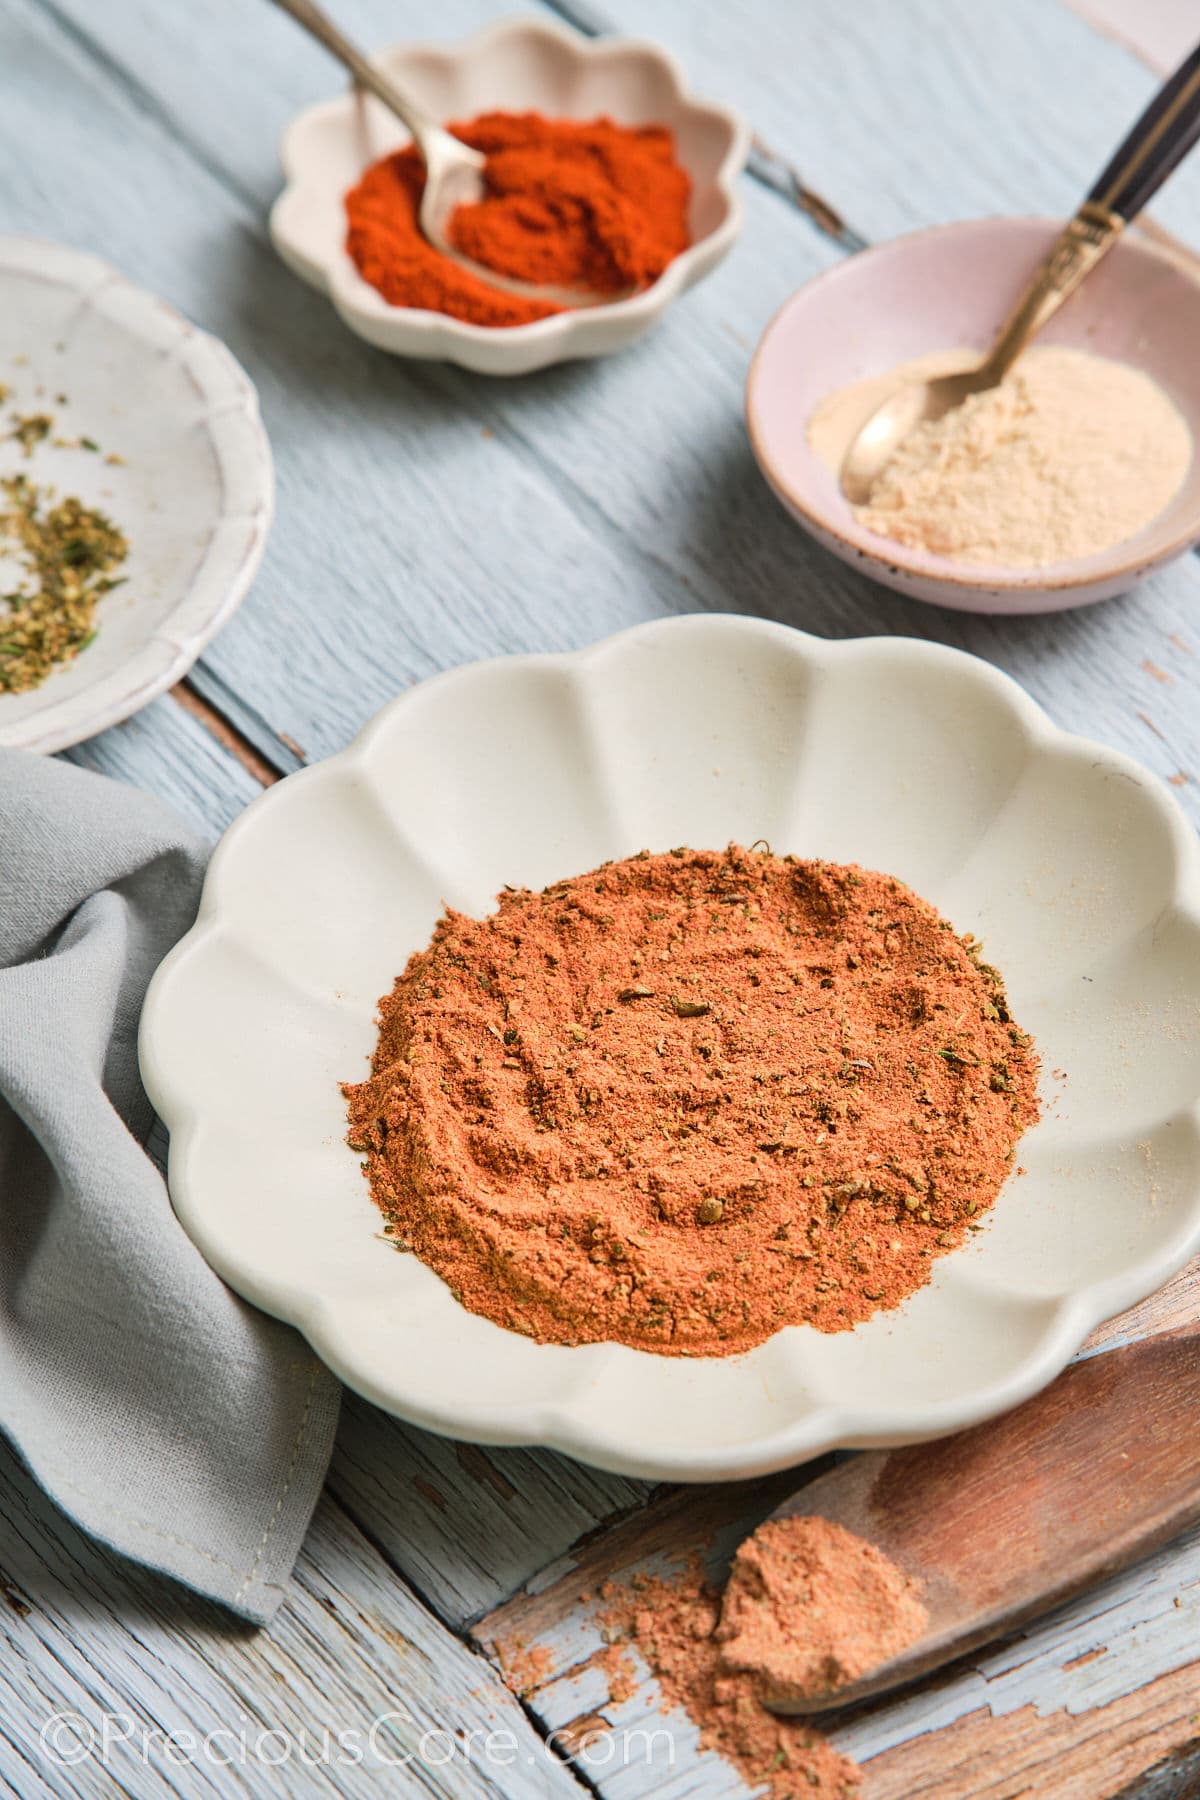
column 1071, row 454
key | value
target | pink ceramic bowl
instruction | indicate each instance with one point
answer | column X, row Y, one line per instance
column 952, row 286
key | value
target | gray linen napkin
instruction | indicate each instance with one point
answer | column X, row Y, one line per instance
column 165, row 1415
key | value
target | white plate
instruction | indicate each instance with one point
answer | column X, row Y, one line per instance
column 193, row 494
column 1073, row 864
column 518, row 65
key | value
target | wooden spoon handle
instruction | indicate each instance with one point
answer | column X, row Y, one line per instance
column 1012, row 1517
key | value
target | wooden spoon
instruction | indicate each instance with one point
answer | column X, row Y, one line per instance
column 1006, row 1520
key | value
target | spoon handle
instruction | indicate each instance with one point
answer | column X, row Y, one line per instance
column 1080, row 245
column 320, row 26
column 1156, row 145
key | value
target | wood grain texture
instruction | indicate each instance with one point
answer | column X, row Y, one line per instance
column 228, row 736
column 456, row 1529
column 381, row 566
column 1175, row 1304
column 165, row 751
column 466, row 1524
column 1143, row 1746
column 906, row 118
column 426, row 517
column 1077, row 1483
column 1100, row 1685
column 586, row 526
column 1075, row 1685
column 83, row 1633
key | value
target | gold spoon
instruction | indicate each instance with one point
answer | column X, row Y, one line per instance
column 1158, row 142
column 453, row 171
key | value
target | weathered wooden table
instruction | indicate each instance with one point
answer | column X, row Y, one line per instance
column 427, row 517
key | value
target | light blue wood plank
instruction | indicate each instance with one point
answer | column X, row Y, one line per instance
column 407, row 539
column 466, row 1525
column 408, row 535
column 163, row 750
column 905, row 115
column 87, row 1635
column 187, row 80
column 366, row 538
column 1069, row 1708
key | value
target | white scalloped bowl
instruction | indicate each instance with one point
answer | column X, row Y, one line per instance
column 1073, row 864
column 193, row 494
column 518, row 65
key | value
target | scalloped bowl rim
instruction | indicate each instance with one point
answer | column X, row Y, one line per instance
column 357, row 301
column 210, row 599
column 1074, row 576
column 1069, row 1317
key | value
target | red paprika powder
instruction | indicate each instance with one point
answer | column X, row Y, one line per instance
column 594, row 205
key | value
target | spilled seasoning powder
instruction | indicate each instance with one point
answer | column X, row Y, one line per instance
column 1071, row 454
column 676, row 1624
column 684, row 1100
column 525, row 1667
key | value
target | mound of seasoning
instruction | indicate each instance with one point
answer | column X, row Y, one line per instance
column 1071, row 454
column 808, row 1606
column 684, row 1100
column 67, row 553
column 592, row 205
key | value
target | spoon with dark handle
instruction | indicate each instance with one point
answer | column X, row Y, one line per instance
column 453, row 171
column 1156, row 145
column 1006, row 1520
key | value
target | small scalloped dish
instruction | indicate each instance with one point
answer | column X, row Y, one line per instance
column 192, row 490
column 950, row 287
column 517, row 65
column 1074, row 866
